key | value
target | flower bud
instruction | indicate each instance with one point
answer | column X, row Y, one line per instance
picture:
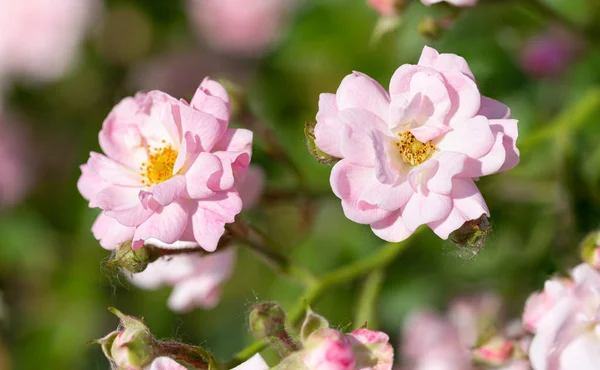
column 312, row 322
column 320, row 156
column 328, row 349
column 133, row 349
column 133, row 261
column 472, row 235
column 590, row 250
column 266, row 320
column 388, row 8
column 496, row 351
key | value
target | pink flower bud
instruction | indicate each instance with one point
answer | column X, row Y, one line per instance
column 549, row 54
column 386, row 8
column 495, row 351
column 132, row 349
column 372, row 349
column 328, row 349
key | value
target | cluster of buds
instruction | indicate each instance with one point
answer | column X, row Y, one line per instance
column 320, row 347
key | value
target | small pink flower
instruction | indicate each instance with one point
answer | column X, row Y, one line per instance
column 568, row 336
column 549, row 54
column 431, row 342
column 256, row 362
column 15, row 164
column 410, row 157
column 39, row 38
column 540, row 304
column 238, row 26
column 165, row 363
column 171, row 170
column 453, row 2
column 196, row 280
column 328, row 349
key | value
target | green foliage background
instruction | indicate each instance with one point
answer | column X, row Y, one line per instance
column 52, row 271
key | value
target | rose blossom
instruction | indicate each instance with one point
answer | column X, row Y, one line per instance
column 410, row 157
column 14, row 163
column 540, row 304
column 453, row 2
column 568, row 336
column 39, row 38
column 238, row 26
column 171, row 169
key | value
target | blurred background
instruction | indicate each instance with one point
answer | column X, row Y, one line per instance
column 65, row 63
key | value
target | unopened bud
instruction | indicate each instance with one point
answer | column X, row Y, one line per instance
column 313, row 322
column 134, row 261
column 328, row 349
column 131, row 348
column 472, row 235
column 388, row 8
column 320, row 156
column 590, row 249
column 430, row 28
column 496, row 351
column 266, row 320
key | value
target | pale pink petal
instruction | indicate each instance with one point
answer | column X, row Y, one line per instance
column 401, row 80
column 429, row 132
column 384, row 170
column 450, row 165
column 166, row 225
column 467, row 204
column 165, row 363
column 493, row 109
column 392, row 228
column 327, row 106
column 472, row 137
column 198, row 292
column 327, row 135
column 89, row 183
column 168, row 191
column 254, row 363
column 110, row 233
column 387, row 197
column 200, row 173
column 510, row 130
column 113, row 172
column 358, row 90
column 464, row 95
column 358, row 124
column 348, row 182
column 207, row 130
column 236, row 147
column 583, row 353
column 214, row 105
column 116, row 198
column 211, row 215
column 445, row 62
column 423, row 209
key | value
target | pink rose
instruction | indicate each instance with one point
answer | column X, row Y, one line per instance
column 431, row 342
column 410, row 157
column 39, row 38
column 171, row 170
column 372, row 350
column 15, row 166
column 196, row 280
column 238, row 26
column 328, row 349
column 568, row 336
column 453, row 2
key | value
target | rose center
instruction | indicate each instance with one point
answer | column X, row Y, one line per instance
column 159, row 167
column 412, row 151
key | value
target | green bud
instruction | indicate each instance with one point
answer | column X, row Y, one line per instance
column 133, row 261
column 133, row 349
column 472, row 236
column 320, row 156
column 312, row 323
column 266, row 320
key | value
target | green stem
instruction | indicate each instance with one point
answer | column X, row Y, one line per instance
column 379, row 260
column 367, row 299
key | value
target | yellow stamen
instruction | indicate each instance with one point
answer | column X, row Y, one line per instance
column 412, row 151
column 159, row 167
